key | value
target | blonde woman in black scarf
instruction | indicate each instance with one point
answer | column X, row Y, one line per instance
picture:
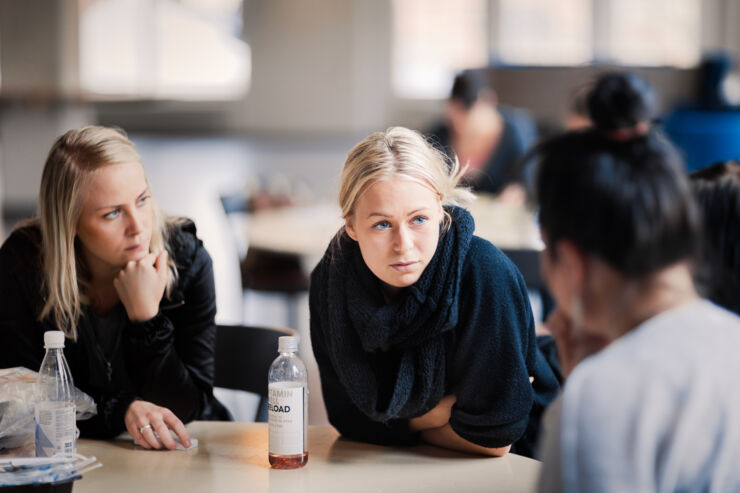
column 421, row 330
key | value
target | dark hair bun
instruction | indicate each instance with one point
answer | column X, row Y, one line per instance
column 621, row 100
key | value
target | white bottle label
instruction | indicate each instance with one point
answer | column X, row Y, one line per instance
column 287, row 418
column 56, row 431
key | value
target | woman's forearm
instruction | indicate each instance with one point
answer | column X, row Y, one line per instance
column 445, row 437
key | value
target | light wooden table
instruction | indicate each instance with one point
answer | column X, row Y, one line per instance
column 233, row 457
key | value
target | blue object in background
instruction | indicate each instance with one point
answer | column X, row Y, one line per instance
column 705, row 136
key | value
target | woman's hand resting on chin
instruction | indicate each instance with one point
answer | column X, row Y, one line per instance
column 140, row 285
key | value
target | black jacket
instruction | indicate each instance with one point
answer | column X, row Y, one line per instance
column 168, row 360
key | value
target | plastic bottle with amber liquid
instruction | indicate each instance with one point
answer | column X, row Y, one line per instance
column 287, row 391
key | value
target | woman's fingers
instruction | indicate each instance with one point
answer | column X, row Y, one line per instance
column 150, row 426
column 136, row 434
column 164, row 433
column 176, row 425
column 147, row 260
column 140, row 286
column 148, row 434
column 161, row 267
column 135, row 429
column 160, row 264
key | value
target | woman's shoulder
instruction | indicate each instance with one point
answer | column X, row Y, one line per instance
column 485, row 259
column 23, row 243
column 184, row 245
column 21, row 262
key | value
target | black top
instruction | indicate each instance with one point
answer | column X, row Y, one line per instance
column 503, row 165
column 468, row 316
column 168, row 360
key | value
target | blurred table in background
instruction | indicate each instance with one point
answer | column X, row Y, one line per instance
column 233, row 457
column 306, row 230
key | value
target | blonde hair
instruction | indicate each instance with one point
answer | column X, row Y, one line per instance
column 400, row 152
column 72, row 162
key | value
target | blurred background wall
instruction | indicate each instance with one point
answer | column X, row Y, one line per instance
column 317, row 70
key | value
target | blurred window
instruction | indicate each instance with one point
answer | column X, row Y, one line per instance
column 163, row 49
column 654, row 32
column 537, row 32
column 433, row 39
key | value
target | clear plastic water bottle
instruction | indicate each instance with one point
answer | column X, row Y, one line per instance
column 56, row 431
column 288, row 407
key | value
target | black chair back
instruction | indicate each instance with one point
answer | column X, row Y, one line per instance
column 243, row 358
column 528, row 263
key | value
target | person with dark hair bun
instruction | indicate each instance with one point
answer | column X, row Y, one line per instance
column 717, row 190
column 487, row 137
column 621, row 102
column 651, row 399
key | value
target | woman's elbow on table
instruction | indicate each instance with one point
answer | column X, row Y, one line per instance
column 446, row 437
column 497, row 451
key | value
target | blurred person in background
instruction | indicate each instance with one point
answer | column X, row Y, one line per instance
column 650, row 401
column 717, row 190
column 132, row 291
column 488, row 138
column 577, row 117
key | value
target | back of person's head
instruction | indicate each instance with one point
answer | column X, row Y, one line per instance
column 618, row 190
column 73, row 160
column 717, row 190
column 621, row 101
column 469, row 86
column 399, row 153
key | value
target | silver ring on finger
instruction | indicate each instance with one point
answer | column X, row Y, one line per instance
column 145, row 427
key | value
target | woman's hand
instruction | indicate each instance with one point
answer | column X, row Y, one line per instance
column 436, row 417
column 435, row 428
column 144, row 418
column 140, row 285
column 573, row 346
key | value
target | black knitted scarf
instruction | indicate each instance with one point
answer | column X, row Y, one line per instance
column 412, row 327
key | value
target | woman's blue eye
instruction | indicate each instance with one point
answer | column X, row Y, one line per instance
column 112, row 214
column 419, row 220
column 382, row 225
column 143, row 199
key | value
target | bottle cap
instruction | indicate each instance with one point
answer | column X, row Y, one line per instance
column 53, row 339
column 287, row 344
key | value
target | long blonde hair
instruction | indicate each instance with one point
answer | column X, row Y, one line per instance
column 72, row 161
column 400, row 152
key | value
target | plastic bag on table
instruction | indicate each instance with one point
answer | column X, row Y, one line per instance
column 17, row 400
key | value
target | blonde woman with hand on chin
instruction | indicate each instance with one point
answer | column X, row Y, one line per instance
column 131, row 290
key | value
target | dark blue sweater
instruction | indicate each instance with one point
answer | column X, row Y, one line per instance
column 490, row 355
